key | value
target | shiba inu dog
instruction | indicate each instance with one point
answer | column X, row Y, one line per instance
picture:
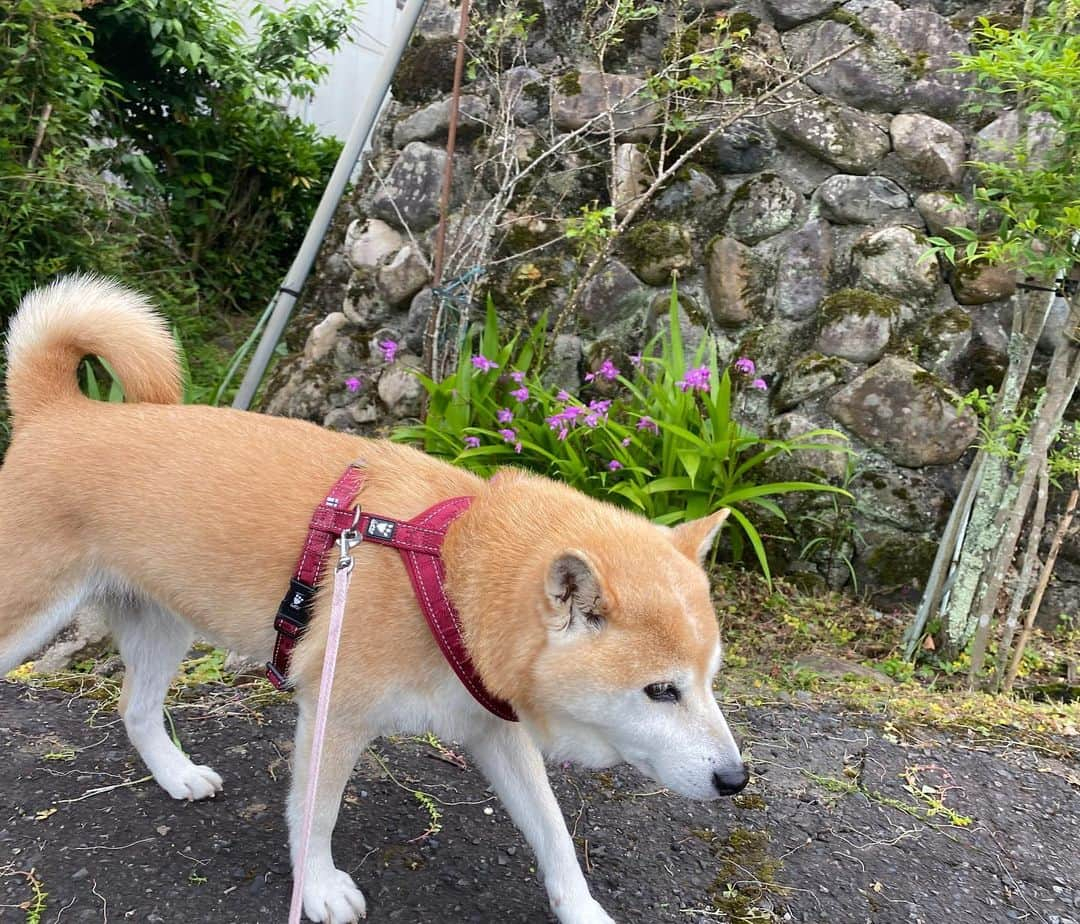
column 595, row 624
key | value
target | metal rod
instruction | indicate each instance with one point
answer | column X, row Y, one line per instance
column 431, row 330
column 324, row 214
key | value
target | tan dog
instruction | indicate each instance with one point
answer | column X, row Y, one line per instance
column 595, row 624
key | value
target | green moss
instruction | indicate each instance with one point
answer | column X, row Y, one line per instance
column 855, row 24
column 925, row 379
column 740, row 21
column 858, row 302
column 818, row 364
column 655, row 243
column 523, row 236
column 918, row 63
column 747, row 875
column 899, row 563
column 426, row 70
column 949, row 323
column 569, row 84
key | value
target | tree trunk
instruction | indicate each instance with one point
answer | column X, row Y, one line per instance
column 1040, row 589
column 1031, row 556
column 984, row 532
column 1061, row 383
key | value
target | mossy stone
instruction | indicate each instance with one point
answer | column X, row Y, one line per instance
column 656, row 249
column 426, row 70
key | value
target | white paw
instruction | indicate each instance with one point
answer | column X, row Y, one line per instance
column 190, row 782
column 586, row 911
column 331, row 897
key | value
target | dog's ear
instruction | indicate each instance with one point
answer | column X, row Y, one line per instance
column 575, row 595
column 695, row 539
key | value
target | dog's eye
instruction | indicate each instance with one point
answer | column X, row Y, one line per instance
column 663, row 692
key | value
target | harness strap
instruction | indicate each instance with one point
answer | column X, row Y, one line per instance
column 332, row 517
column 419, row 541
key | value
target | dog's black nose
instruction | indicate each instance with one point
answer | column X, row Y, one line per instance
column 729, row 782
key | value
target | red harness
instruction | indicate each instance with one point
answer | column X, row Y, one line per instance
column 419, row 541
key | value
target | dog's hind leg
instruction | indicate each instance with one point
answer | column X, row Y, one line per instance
column 514, row 767
column 330, row 895
column 152, row 643
column 36, row 604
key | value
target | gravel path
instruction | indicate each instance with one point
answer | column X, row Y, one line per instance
column 845, row 822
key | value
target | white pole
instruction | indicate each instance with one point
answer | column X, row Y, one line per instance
column 324, row 214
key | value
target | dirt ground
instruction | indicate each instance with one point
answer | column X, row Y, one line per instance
column 847, row 819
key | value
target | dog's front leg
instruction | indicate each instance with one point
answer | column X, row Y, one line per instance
column 330, row 895
column 513, row 765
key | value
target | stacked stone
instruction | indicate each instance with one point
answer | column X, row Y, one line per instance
column 798, row 238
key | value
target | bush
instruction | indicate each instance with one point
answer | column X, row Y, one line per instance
column 139, row 138
column 668, row 445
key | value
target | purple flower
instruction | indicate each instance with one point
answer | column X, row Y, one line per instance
column 505, row 415
column 592, row 420
column 760, row 385
column 352, row 383
column 572, row 412
column 696, row 380
column 647, row 423
column 562, row 433
column 636, row 360
column 471, row 442
column 518, row 377
column 520, row 394
column 626, row 441
column 601, row 407
column 508, row 435
column 607, row 370
column 484, row 364
column 563, row 395
column 517, row 447
column 745, row 365
column 614, row 465
column 389, row 350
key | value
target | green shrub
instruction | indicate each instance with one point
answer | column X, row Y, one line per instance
column 668, row 445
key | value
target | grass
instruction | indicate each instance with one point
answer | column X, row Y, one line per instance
column 769, row 635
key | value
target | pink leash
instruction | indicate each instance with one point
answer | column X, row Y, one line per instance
column 342, row 579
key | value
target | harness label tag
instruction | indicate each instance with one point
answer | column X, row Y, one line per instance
column 381, row 529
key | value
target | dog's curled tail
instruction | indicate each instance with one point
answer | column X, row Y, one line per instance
column 76, row 316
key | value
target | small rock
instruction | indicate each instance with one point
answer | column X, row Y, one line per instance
column 612, row 295
column 810, row 376
column 323, row 336
column 742, row 147
column 368, row 243
column 892, row 261
column 729, row 275
column 409, row 195
column 789, row 13
column 527, row 92
column 804, row 271
column 848, row 139
column 581, row 98
column 629, row 176
column 905, row 413
column 981, row 284
column 404, row 276
column 399, row 388
column 762, row 207
column 433, row 121
column 928, row 146
column 857, row 325
column 656, row 249
column 846, row 199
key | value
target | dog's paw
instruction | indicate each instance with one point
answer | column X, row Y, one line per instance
column 190, row 782
column 585, row 910
column 588, row 911
column 332, row 897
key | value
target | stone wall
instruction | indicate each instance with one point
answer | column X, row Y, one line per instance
column 797, row 235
